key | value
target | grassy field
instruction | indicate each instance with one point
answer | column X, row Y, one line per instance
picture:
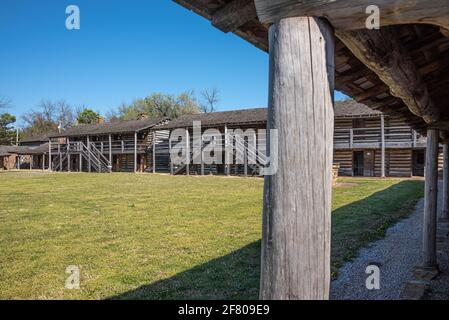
column 161, row 237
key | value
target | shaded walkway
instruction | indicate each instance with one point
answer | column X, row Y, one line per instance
column 395, row 255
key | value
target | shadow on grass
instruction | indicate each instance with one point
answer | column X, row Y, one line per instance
column 236, row 275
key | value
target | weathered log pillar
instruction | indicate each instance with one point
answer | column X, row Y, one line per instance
column 445, row 210
column 154, row 151
column 110, row 153
column 68, row 155
column 49, row 156
column 382, row 135
column 430, row 200
column 297, row 199
column 89, row 159
column 135, row 152
column 187, row 152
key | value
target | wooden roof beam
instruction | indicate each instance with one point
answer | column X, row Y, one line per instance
column 382, row 52
column 234, row 15
column 351, row 14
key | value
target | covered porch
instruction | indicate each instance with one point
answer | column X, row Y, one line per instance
column 399, row 67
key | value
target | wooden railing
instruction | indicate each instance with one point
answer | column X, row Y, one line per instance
column 117, row 146
column 394, row 137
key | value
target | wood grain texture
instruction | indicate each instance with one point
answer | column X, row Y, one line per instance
column 297, row 199
column 351, row 14
column 445, row 209
column 235, row 14
column 382, row 52
column 430, row 200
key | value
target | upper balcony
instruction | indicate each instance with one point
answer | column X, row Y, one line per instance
column 395, row 137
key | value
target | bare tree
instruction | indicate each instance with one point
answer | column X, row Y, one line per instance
column 49, row 116
column 211, row 98
column 4, row 102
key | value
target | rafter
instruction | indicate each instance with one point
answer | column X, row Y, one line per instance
column 351, row 14
column 234, row 15
column 382, row 52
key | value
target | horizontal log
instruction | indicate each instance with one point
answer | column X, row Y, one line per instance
column 351, row 14
column 382, row 52
column 234, row 15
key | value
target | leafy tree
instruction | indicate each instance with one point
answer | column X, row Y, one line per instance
column 88, row 116
column 6, row 131
column 158, row 105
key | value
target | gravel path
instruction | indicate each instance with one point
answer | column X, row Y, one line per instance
column 396, row 255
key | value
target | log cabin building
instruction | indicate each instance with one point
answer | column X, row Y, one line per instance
column 398, row 66
column 120, row 146
column 366, row 143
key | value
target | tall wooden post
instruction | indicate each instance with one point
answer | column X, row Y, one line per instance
column 445, row 210
column 59, row 155
column 31, row 162
column 382, row 135
column 110, row 152
column 49, row 155
column 202, row 155
column 154, row 151
column 187, row 152
column 430, row 200
column 297, row 209
column 227, row 154
column 43, row 161
column 135, row 151
column 68, row 155
column 169, row 155
column 89, row 159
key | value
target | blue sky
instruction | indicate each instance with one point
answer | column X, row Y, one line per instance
column 124, row 50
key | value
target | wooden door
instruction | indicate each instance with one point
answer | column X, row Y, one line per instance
column 368, row 163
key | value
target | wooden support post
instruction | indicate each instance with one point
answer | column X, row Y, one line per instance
column 187, row 152
column 445, row 211
column 202, row 155
column 43, row 161
column 227, row 154
column 297, row 209
column 169, row 155
column 110, row 152
column 81, row 161
column 415, row 138
column 89, row 160
column 351, row 138
column 31, row 162
column 430, row 200
column 154, row 151
column 68, row 155
column 49, row 156
column 245, row 160
column 382, row 133
column 135, row 152
column 60, row 157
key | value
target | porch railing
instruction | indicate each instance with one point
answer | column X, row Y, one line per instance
column 395, row 137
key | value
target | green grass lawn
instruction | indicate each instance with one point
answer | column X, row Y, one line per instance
column 161, row 237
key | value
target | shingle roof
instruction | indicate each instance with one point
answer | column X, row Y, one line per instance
column 8, row 150
column 110, row 128
column 351, row 108
column 43, row 137
column 247, row 116
column 346, row 108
